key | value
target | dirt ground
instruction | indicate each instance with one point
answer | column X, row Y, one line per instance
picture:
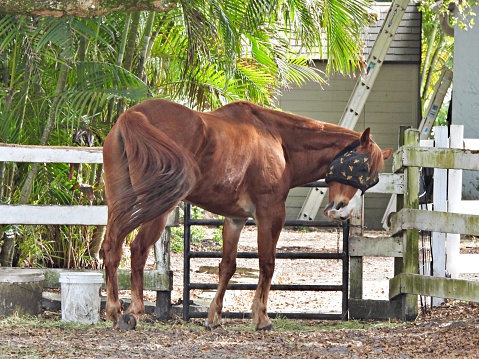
column 448, row 331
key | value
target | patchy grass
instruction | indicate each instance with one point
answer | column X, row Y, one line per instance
column 295, row 325
column 280, row 324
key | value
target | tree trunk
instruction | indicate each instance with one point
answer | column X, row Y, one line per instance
column 85, row 8
column 432, row 65
column 131, row 47
column 61, row 84
column 130, row 50
column 6, row 255
column 145, row 46
column 427, row 59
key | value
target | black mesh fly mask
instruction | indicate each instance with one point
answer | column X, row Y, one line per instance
column 352, row 169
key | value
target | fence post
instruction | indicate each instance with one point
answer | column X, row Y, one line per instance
column 411, row 236
column 438, row 247
column 398, row 262
column 454, row 202
column 356, row 263
column 162, row 258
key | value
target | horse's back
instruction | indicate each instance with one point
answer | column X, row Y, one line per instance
column 175, row 120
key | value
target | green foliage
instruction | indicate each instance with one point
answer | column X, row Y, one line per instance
column 218, row 235
column 64, row 75
column 438, row 47
column 463, row 11
column 198, row 233
column 177, row 244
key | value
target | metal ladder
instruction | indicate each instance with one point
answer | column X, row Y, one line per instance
column 435, row 103
column 361, row 92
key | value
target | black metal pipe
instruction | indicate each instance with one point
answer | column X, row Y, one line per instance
column 279, row 255
column 186, row 264
column 285, row 287
column 288, row 223
column 345, row 295
column 293, row 315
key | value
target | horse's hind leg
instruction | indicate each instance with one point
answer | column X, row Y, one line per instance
column 231, row 233
column 148, row 234
column 111, row 252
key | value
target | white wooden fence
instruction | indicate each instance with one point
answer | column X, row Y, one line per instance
column 159, row 279
column 51, row 214
column 447, row 196
column 97, row 215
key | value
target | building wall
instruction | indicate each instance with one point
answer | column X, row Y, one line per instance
column 465, row 99
column 393, row 102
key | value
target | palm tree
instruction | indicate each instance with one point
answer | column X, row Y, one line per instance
column 64, row 74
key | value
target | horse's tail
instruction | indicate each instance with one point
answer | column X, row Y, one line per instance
column 155, row 173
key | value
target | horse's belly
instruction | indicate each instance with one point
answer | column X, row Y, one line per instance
column 232, row 206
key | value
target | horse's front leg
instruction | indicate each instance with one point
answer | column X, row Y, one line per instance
column 148, row 234
column 269, row 229
column 231, row 233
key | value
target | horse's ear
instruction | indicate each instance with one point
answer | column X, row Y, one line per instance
column 387, row 153
column 365, row 138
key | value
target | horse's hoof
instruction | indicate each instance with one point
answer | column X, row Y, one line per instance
column 268, row 327
column 127, row 321
column 209, row 326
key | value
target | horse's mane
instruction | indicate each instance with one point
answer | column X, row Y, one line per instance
column 376, row 158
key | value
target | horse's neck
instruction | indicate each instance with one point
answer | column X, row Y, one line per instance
column 312, row 149
column 309, row 145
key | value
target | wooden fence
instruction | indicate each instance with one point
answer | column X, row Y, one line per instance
column 404, row 241
column 402, row 245
column 159, row 280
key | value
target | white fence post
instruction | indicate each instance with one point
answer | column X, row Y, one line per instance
column 454, row 203
column 438, row 246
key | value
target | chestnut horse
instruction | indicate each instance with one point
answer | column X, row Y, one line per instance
column 238, row 161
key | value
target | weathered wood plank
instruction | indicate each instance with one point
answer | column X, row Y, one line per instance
column 356, row 277
column 48, row 154
column 389, row 183
column 375, row 246
column 435, row 158
column 58, row 215
column 53, row 214
column 434, row 286
column 153, row 279
column 375, row 309
column 435, row 221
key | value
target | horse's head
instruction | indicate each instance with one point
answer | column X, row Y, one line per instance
column 351, row 173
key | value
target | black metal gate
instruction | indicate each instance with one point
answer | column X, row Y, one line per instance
column 343, row 256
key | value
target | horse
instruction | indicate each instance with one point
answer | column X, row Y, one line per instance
column 238, row 161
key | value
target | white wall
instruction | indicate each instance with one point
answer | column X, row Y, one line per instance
column 465, row 99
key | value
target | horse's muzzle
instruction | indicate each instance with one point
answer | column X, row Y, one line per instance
column 340, row 210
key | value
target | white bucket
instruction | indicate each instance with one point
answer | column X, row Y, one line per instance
column 21, row 291
column 81, row 296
